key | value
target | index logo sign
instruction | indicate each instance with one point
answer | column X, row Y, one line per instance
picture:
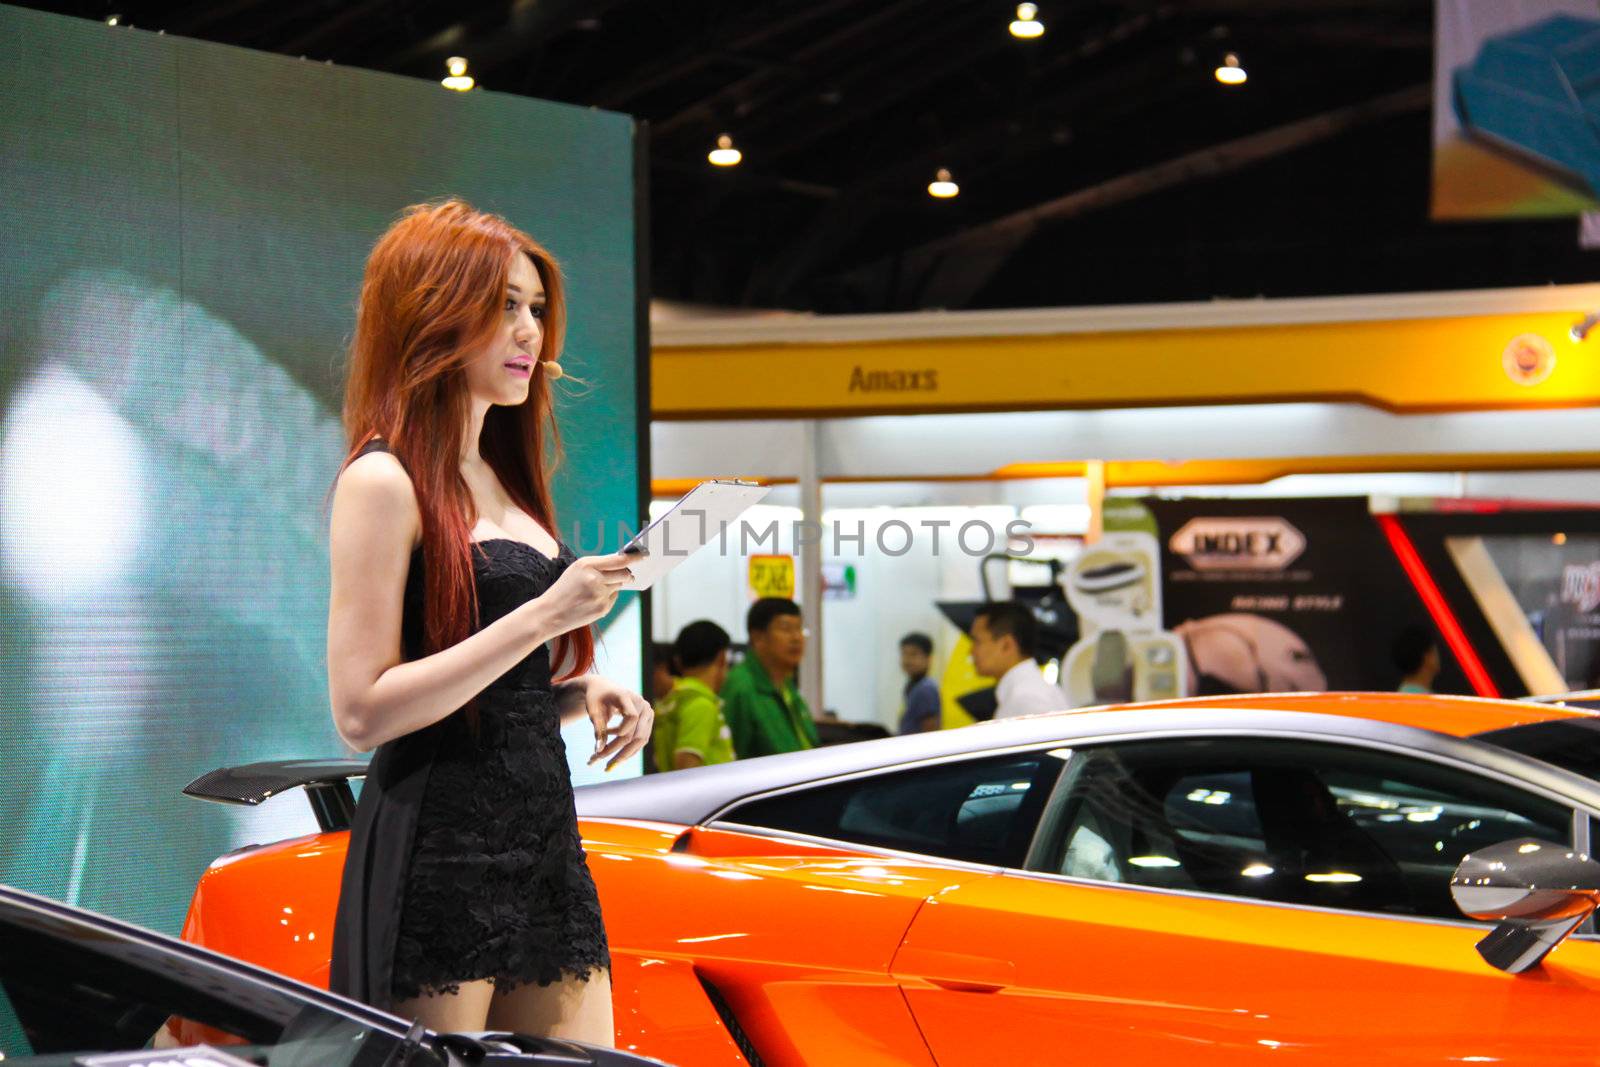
column 1580, row 585
column 1257, row 544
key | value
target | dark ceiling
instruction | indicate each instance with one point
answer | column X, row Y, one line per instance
column 1101, row 163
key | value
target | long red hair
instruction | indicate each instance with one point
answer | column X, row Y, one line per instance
column 434, row 290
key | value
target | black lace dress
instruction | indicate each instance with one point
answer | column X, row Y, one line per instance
column 465, row 861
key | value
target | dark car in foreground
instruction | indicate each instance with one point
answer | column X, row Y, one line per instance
column 75, row 985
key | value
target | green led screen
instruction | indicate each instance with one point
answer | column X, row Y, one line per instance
column 184, row 228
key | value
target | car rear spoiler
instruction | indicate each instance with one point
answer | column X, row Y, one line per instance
column 326, row 782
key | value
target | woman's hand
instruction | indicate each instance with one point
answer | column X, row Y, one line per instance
column 587, row 590
column 621, row 718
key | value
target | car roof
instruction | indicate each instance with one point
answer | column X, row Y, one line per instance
column 1583, row 698
column 32, row 909
column 697, row 796
column 240, row 982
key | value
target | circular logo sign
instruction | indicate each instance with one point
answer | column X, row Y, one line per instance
column 1528, row 359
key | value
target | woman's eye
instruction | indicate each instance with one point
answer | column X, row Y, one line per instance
column 537, row 311
column 511, row 304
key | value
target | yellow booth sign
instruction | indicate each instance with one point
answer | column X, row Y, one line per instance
column 772, row 576
column 1408, row 353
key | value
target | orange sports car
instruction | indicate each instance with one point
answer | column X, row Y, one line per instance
column 1220, row 881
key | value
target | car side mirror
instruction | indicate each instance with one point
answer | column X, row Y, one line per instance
column 1538, row 892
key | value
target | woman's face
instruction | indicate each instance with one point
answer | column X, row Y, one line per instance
column 503, row 371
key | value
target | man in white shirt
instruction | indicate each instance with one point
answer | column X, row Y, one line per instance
column 1002, row 648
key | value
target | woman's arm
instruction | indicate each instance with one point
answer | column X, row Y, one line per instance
column 622, row 719
column 374, row 695
column 570, row 703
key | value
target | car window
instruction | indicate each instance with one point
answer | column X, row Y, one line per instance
column 978, row 811
column 1290, row 821
column 69, row 987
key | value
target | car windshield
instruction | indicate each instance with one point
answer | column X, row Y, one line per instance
column 71, row 986
column 1571, row 744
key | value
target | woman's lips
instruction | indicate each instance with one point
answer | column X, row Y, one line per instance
column 522, row 368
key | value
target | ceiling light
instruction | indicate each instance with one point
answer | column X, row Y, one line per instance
column 941, row 186
column 1026, row 24
column 459, row 79
column 725, row 155
column 1231, row 73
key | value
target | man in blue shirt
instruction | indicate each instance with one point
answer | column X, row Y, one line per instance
column 922, row 711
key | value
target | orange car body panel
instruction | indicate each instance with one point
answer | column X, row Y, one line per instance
column 1453, row 715
column 828, row 956
column 1121, row 975
column 273, row 905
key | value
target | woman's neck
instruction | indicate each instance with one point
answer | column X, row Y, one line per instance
column 469, row 442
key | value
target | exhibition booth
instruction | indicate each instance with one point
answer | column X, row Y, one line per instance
column 1419, row 459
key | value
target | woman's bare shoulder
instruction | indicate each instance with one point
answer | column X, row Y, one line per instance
column 375, row 489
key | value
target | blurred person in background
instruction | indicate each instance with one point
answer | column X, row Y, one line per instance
column 689, row 728
column 922, row 711
column 1002, row 648
column 763, row 707
column 1416, row 657
column 661, row 670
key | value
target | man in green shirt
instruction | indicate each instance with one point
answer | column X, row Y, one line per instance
column 689, row 728
column 763, row 708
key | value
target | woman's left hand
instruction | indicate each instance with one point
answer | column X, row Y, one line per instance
column 621, row 718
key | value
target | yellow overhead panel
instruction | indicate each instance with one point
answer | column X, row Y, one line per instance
column 1420, row 364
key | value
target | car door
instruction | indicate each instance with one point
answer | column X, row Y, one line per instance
column 1232, row 900
column 793, row 905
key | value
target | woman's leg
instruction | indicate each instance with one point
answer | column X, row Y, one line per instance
column 572, row 1008
column 467, row 1009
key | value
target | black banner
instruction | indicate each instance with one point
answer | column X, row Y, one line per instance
column 1279, row 595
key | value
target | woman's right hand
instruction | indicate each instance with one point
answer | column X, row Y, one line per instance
column 587, row 589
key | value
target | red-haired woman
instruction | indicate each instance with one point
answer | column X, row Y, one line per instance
column 467, row 900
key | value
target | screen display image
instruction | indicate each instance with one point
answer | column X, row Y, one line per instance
column 1514, row 118
column 186, row 225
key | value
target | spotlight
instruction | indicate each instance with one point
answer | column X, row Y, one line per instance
column 1529, row 359
column 942, row 186
column 1027, row 24
column 459, row 79
column 725, row 155
column 1581, row 328
column 1231, row 73
column 113, row 20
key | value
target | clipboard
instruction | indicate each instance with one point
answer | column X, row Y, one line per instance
column 699, row 517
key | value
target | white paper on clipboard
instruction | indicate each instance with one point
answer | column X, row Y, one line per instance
column 707, row 513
